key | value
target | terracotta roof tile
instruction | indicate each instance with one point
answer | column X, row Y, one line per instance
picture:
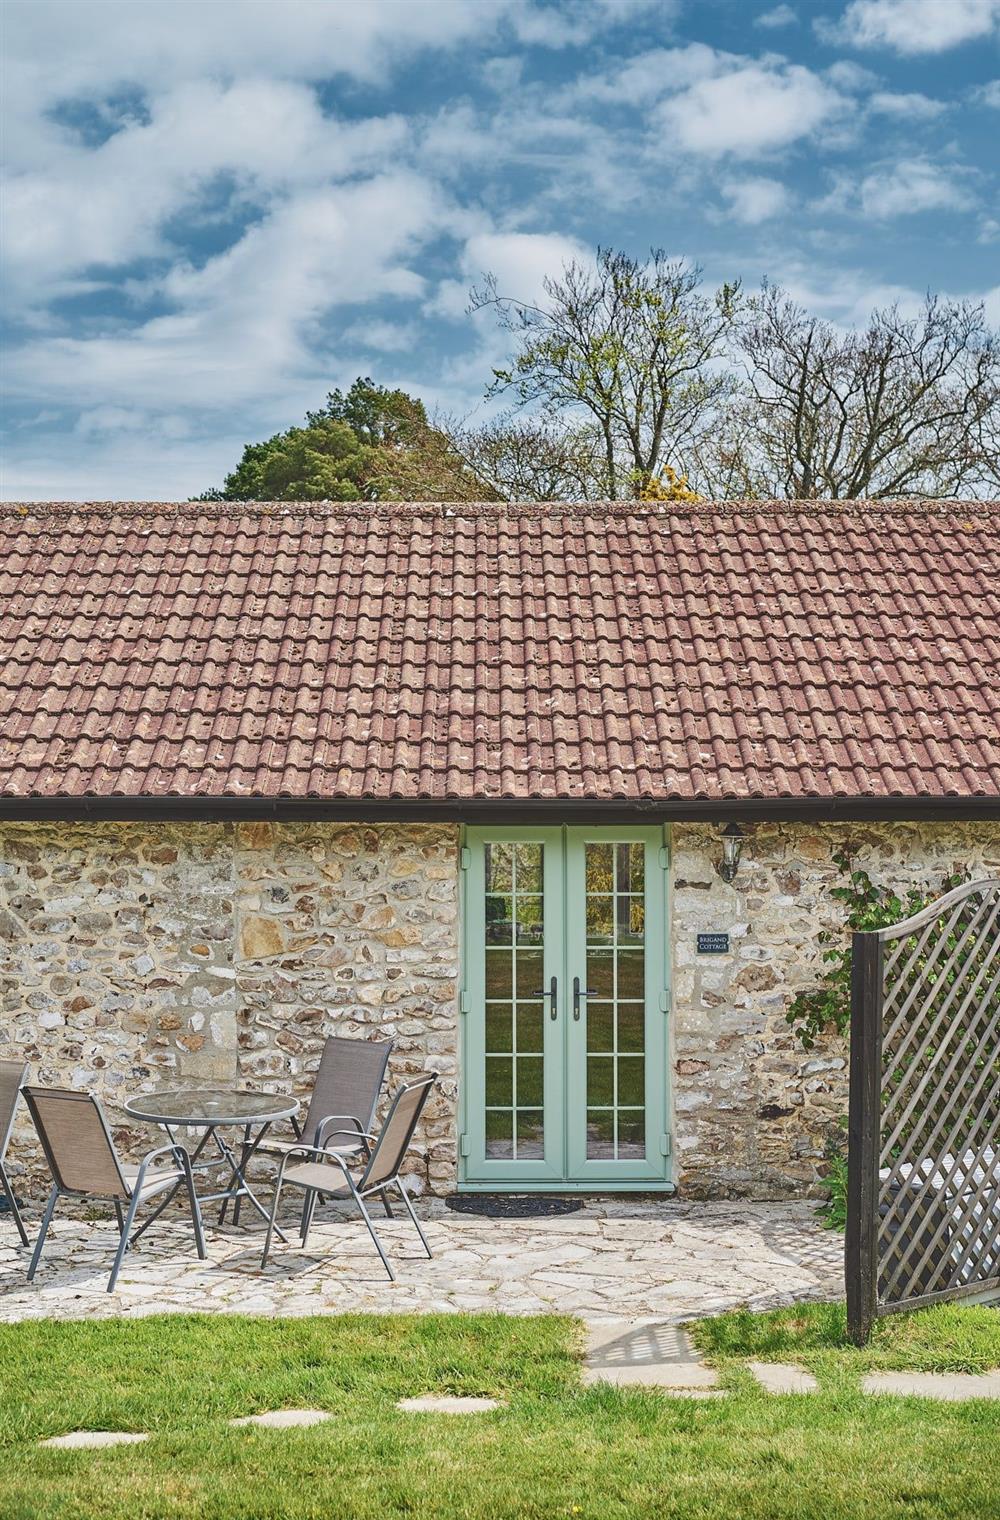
column 611, row 652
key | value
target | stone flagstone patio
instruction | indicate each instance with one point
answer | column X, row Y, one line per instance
column 614, row 1259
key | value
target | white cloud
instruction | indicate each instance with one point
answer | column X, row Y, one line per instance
column 913, row 26
column 109, row 205
column 376, row 335
column 781, row 15
column 743, row 107
column 245, row 326
column 912, row 186
column 845, row 297
column 906, row 107
column 551, row 26
column 850, row 76
column 520, row 261
column 988, row 94
column 87, row 47
column 755, row 200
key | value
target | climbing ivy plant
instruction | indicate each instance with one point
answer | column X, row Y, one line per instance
column 826, row 1008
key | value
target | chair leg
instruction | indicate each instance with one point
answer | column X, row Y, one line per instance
column 46, row 1221
column 133, row 1204
column 409, row 1209
column 120, row 1217
column 371, row 1230
column 384, row 1195
column 270, row 1223
column 6, row 1188
column 308, row 1210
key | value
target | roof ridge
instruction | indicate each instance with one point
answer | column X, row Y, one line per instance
column 380, row 509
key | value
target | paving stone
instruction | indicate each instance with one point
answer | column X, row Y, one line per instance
column 646, row 1354
column 664, row 1261
column 80, row 1440
column 952, row 1386
column 782, row 1377
column 448, row 1403
column 284, row 1419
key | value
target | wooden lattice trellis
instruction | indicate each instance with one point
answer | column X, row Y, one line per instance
column 923, row 1218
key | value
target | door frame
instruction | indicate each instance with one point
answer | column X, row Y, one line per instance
column 657, row 840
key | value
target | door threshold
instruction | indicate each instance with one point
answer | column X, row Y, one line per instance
column 603, row 1190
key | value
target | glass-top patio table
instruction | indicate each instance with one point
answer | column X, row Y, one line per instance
column 214, row 1111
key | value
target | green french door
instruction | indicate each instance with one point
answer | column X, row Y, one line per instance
column 564, row 1004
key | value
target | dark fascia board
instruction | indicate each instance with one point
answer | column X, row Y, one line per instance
column 498, row 810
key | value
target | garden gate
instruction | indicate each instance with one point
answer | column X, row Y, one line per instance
column 923, row 1210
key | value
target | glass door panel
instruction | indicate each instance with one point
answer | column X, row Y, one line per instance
column 514, row 947
column 616, row 1055
column 512, row 1090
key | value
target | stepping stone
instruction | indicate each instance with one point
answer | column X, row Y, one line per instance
column 782, row 1377
column 953, row 1386
column 284, row 1419
column 646, row 1354
column 78, row 1440
column 447, row 1403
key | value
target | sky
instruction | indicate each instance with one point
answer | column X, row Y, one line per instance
column 215, row 211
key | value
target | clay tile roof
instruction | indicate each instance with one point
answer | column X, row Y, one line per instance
column 607, row 652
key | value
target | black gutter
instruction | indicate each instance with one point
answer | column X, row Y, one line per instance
column 498, row 810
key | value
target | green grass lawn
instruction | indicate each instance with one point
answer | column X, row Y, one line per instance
column 555, row 1450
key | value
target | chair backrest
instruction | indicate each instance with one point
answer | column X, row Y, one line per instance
column 349, row 1080
column 12, row 1074
column 77, row 1142
column 397, row 1131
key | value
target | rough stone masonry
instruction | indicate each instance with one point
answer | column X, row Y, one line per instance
column 139, row 955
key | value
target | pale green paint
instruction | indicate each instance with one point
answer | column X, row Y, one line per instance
column 565, row 1166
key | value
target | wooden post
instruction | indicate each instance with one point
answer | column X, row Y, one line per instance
column 863, row 1136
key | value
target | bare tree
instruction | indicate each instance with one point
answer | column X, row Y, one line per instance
column 630, row 350
column 527, row 459
column 906, row 407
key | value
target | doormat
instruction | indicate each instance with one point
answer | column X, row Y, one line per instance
column 512, row 1205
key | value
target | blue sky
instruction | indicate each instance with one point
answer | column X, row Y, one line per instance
column 215, row 212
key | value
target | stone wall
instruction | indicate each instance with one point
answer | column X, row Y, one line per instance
column 753, row 1110
column 135, row 956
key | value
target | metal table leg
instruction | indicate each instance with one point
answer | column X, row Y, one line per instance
column 169, row 1197
column 243, row 1188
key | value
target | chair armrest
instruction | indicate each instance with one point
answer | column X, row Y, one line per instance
column 181, row 1158
column 351, row 1119
column 335, row 1124
column 177, row 1151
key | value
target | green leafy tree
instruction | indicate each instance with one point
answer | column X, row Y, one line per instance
column 375, row 415
column 370, row 443
column 323, row 462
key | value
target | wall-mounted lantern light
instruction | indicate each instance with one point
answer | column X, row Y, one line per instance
column 732, row 845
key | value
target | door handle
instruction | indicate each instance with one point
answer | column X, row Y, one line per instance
column 552, row 993
column 578, row 993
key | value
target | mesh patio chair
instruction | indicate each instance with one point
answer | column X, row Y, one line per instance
column 344, row 1096
column 327, row 1171
column 12, row 1074
column 84, row 1164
